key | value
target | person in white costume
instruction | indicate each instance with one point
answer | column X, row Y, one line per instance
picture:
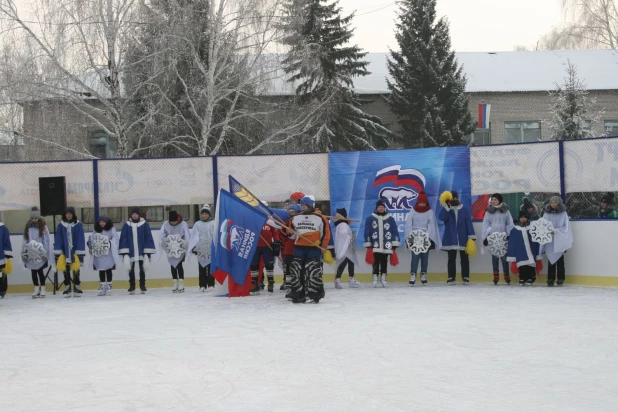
column 107, row 262
column 36, row 231
column 421, row 217
column 556, row 213
column 203, row 234
column 345, row 249
column 175, row 226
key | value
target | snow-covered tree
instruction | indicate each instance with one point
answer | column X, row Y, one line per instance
column 570, row 108
column 428, row 86
column 322, row 65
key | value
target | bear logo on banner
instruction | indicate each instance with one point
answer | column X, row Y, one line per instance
column 408, row 183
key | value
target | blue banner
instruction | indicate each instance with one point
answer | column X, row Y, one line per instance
column 237, row 234
column 359, row 179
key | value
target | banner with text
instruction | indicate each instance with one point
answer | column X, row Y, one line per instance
column 591, row 165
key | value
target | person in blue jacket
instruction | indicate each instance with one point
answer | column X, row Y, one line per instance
column 6, row 254
column 457, row 231
column 523, row 253
column 136, row 245
column 70, row 245
column 382, row 238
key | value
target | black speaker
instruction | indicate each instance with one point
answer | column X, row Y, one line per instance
column 52, row 195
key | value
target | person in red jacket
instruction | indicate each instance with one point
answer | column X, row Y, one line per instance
column 269, row 246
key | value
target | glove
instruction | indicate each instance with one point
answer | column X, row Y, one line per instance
column 485, row 242
column 394, row 258
column 369, row 256
column 433, row 245
column 539, row 267
column 276, row 248
column 514, row 268
column 8, row 267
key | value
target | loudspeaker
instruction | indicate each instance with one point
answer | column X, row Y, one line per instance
column 52, row 195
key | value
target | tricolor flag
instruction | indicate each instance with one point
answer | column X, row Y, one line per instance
column 401, row 177
column 484, row 111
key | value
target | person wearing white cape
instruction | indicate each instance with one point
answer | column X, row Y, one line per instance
column 175, row 225
column 555, row 212
column 108, row 262
column 203, row 233
column 345, row 250
column 421, row 217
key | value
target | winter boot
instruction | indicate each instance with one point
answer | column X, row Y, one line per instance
column 338, row 283
column 375, row 281
column 37, row 292
column 181, row 285
column 102, row 289
column 353, row 283
column 507, row 279
column 255, row 290
column 412, row 279
column 175, row 286
column 496, row 278
column 424, row 278
column 383, row 280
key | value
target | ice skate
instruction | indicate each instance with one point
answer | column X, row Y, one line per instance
column 271, row 286
column 507, row 279
column 383, row 280
column 530, row 282
column 466, row 281
column 522, row 282
column 282, row 288
column 496, row 278
column 36, row 293
column 175, row 286
column 108, row 289
column 210, row 289
column 299, row 300
column 550, row 283
column 202, row 289
column 412, row 279
column 77, row 291
column 375, row 281
column 450, row 281
column 560, row 282
column 181, row 286
column 131, row 290
column 262, row 286
column 338, row 283
column 67, row 291
column 255, row 290
column 42, row 294
column 102, row 289
column 314, row 301
column 353, row 283
column 142, row 288
column 424, row 279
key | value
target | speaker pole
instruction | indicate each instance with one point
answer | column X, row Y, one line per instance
column 95, row 191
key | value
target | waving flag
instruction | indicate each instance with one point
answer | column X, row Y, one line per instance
column 245, row 195
column 238, row 227
column 484, row 112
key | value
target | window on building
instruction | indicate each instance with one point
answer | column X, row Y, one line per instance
column 522, row 132
column 481, row 137
column 101, row 145
column 611, row 127
column 114, row 213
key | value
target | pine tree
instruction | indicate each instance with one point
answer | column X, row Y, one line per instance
column 428, row 86
column 323, row 66
column 570, row 117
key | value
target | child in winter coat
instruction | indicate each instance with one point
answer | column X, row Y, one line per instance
column 202, row 237
column 36, row 233
column 6, row 254
column 175, row 226
column 556, row 213
column 523, row 252
column 497, row 219
column 345, row 249
column 105, row 263
column 136, row 245
column 421, row 217
column 381, row 239
column 458, row 235
column 69, row 249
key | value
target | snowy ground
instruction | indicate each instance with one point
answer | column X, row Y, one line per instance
column 436, row 348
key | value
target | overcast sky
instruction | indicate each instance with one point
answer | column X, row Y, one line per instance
column 476, row 25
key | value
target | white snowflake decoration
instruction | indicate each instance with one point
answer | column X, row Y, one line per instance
column 33, row 253
column 374, row 224
column 387, row 226
column 99, row 245
column 174, row 246
column 419, row 242
column 542, row 231
column 497, row 243
column 388, row 245
column 376, row 245
column 374, row 235
column 202, row 249
column 388, row 235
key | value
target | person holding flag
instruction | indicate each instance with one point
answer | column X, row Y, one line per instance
column 268, row 248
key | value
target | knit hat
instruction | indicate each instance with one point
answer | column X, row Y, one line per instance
column 556, row 199
column 527, row 204
column 608, row 198
column 342, row 212
column 297, row 196
column 380, row 203
column 497, row 196
column 173, row 216
column 34, row 213
column 135, row 210
column 524, row 213
column 422, row 198
column 455, row 195
column 205, row 209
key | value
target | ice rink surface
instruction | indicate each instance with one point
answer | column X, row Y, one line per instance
column 435, row 348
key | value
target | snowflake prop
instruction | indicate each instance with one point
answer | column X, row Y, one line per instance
column 542, row 231
column 34, row 253
column 202, row 249
column 498, row 245
column 174, row 246
column 419, row 242
column 99, row 245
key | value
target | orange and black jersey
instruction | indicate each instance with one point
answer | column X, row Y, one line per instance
column 314, row 228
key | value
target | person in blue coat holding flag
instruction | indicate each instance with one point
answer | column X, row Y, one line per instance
column 523, row 253
column 458, row 235
column 136, row 245
column 69, row 250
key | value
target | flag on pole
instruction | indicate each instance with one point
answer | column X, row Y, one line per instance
column 484, row 112
column 245, row 195
column 237, row 232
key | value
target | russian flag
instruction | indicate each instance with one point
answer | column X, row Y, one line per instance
column 484, row 112
column 400, row 177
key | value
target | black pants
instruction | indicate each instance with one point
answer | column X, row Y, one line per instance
column 527, row 274
column 178, row 272
column 551, row 270
column 206, row 280
column 380, row 263
column 452, row 264
column 142, row 275
column 287, row 262
column 105, row 275
column 38, row 277
column 346, row 262
column 4, row 284
column 67, row 277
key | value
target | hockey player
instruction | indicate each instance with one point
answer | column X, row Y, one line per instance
column 523, row 253
column 556, row 213
column 202, row 235
column 287, row 244
column 137, row 246
column 268, row 247
column 6, row 254
column 69, row 249
column 381, row 239
column 106, row 263
column 296, row 197
column 458, row 232
column 311, row 235
column 421, row 217
column 497, row 219
column 36, row 231
column 345, row 249
column 176, row 226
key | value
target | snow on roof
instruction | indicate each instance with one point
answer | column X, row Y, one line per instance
column 502, row 71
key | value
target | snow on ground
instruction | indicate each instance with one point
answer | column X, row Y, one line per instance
column 435, row 348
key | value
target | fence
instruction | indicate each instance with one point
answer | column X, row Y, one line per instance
column 582, row 172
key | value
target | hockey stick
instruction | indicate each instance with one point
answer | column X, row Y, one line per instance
column 296, row 233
